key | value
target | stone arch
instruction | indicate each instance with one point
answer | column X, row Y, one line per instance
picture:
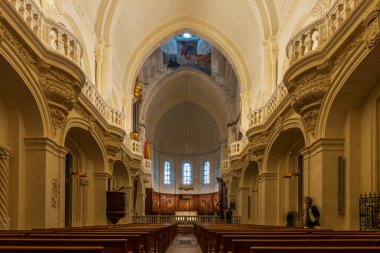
column 249, row 191
column 198, row 28
column 282, row 161
column 18, row 69
column 344, row 89
column 121, row 175
column 24, row 123
column 76, row 122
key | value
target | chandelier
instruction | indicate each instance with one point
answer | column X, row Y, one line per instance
column 291, row 168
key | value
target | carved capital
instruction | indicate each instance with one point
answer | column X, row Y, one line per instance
column 58, row 117
column 310, row 120
column 371, row 34
column 5, row 153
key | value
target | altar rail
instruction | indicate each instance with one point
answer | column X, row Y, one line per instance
column 181, row 220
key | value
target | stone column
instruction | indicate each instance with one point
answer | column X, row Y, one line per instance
column 321, row 179
column 5, row 156
column 268, row 198
column 100, row 189
column 129, row 204
column 99, row 55
column 106, row 89
column 244, row 195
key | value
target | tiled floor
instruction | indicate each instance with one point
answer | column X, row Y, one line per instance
column 184, row 243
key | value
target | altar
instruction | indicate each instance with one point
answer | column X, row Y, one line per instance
column 186, row 217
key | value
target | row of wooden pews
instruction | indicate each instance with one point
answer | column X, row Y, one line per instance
column 227, row 238
column 130, row 238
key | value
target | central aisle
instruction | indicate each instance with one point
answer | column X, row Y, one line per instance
column 184, row 243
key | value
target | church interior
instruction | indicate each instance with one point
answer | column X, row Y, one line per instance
column 170, row 125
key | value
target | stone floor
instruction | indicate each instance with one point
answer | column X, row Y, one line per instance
column 184, row 243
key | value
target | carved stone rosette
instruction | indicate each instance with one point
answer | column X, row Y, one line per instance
column 307, row 95
column 371, row 34
column 5, row 156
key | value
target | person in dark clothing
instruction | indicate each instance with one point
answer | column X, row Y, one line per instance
column 291, row 218
column 311, row 214
column 229, row 216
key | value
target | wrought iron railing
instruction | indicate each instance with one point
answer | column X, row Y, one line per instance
column 369, row 211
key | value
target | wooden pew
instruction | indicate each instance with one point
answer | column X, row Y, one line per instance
column 244, row 245
column 109, row 245
column 228, row 239
column 49, row 249
column 314, row 249
column 132, row 240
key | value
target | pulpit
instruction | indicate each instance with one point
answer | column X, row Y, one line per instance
column 115, row 206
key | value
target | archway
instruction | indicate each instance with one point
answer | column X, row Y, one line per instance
column 249, row 190
column 85, row 182
column 351, row 114
column 21, row 126
column 284, row 162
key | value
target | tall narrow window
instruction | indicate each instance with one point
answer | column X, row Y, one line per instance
column 206, row 172
column 186, row 173
column 167, row 172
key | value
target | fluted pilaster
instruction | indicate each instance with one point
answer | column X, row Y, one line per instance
column 5, row 156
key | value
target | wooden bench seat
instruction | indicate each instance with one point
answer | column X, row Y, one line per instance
column 315, row 249
column 244, row 245
column 49, row 249
column 109, row 245
column 133, row 241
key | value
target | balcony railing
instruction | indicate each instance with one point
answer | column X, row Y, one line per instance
column 147, row 166
column 182, row 220
column 56, row 37
column 238, row 147
column 114, row 117
column 134, row 146
column 315, row 36
column 261, row 114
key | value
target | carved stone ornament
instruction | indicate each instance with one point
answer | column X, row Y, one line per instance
column 58, row 117
column 309, row 92
column 54, row 192
column 310, row 120
column 58, row 92
column 372, row 27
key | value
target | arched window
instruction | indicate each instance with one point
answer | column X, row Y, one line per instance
column 206, row 172
column 186, row 173
column 167, row 172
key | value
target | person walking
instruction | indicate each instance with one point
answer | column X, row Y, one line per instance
column 311, row 214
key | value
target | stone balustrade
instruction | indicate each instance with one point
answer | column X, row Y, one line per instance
column 56, row 37
column 181, row 220
column 238, row 147
column 261, row 114
column 315, row 36
column 114, row 117
column 135, row 147
column 147, row 166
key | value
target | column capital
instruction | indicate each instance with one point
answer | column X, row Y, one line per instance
column 5, row 152
column 102, row 176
